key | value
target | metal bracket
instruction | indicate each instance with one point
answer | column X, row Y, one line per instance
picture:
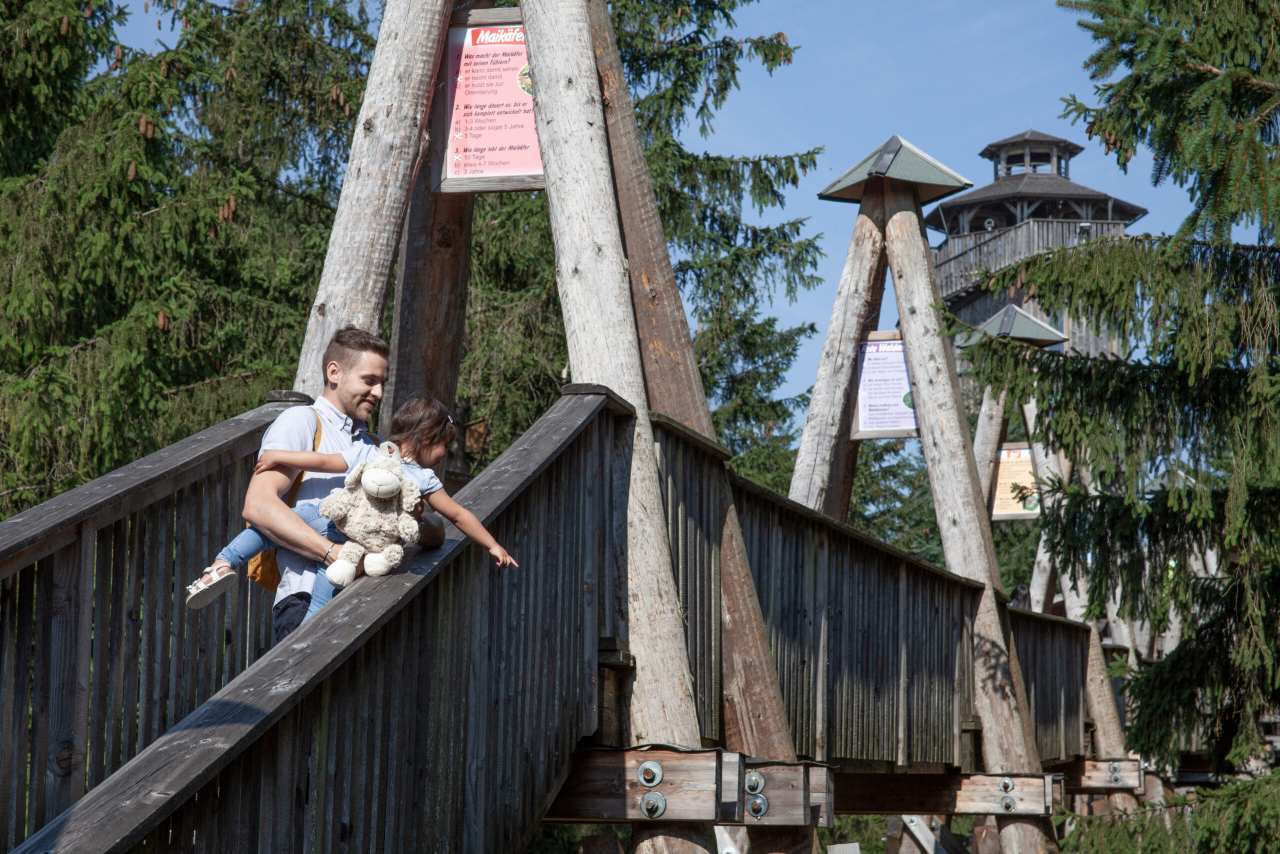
column 754, row 782
column 653, row 804
column 757, row 806
column 649, row 773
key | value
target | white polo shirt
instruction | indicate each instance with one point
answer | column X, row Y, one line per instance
column 294, row 430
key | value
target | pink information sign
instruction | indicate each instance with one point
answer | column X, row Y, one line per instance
column 490, row 105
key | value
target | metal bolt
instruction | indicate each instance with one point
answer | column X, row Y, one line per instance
column 1007, row 803
column 1115, row 778
column 1114, row 767
column 650, row 773
column 754, row 782
column 1006, row 784
column 757, row 806
column 653, row 804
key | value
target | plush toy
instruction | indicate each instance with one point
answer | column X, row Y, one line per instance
column 374, row 508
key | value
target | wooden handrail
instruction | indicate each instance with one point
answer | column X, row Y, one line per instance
column 307, row 681
column 40, row 531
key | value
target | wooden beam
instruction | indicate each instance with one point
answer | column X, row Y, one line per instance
column 388, row 150
column 754, row 713
column 1103, row 776
column 651, row 785
column 945, row 794
column 1001, row 700
column 821, row 462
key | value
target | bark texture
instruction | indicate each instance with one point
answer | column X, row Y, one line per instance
column 964, row 525
column 601, row 331
column 822, row 459
column 386, row 150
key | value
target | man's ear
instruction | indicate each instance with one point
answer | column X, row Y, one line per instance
column 332, row 373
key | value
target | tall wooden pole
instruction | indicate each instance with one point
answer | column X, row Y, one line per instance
column 1007, row 742
column 599, row 323
column 1046, row 466
column 755, row 716
column 822, row 460
column 430, row 320
column 386, row 150
column 986, row 438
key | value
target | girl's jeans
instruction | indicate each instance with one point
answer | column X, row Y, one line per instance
column 250, row 542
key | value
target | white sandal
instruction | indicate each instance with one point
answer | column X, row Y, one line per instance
column 200, row 592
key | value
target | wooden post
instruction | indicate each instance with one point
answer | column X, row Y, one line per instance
column 1008, row 745
column 431, row 297
column 822, row 459
column 386, row 151
column 1046, row 466
column 986, row 438
column 756, row 721
column 601, row 333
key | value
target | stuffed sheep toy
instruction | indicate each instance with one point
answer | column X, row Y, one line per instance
column 374, row 508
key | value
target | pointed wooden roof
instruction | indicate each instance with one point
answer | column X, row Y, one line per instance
column 1013, row 322
column 902, row 161
column 993, row 148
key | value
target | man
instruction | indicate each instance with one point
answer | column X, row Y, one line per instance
column 355, row 370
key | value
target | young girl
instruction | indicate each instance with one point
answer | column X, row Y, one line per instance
column 422, row 430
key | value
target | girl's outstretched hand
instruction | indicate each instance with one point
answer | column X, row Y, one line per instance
column 501, row 558
column 269, row 460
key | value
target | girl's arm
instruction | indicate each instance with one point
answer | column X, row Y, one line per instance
column 304, row 460
column 468, row 524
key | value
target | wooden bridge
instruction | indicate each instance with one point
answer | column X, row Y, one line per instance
column 440, row 708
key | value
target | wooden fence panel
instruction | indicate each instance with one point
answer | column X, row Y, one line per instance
column 1053, row 653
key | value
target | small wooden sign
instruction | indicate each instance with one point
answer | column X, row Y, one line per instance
column 1014, row 474
column 885, row 408
column 485, row 123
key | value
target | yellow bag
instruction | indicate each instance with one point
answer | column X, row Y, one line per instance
column 263, row 569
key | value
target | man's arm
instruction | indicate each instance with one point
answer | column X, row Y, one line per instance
column 304, row 460
column 264, row 508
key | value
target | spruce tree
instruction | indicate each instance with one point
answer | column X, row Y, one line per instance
column 1182, row 436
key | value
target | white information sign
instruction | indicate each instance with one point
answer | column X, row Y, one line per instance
column 885, row 408
column 1015, row 473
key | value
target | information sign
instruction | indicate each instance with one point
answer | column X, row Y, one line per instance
column 884, row 405
column 1015, row 474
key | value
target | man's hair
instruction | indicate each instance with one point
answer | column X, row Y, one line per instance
column 348, row 341
column 421, row 423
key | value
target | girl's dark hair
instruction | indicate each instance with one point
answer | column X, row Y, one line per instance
column 422, row 423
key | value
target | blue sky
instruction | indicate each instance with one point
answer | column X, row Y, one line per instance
column 950, row 76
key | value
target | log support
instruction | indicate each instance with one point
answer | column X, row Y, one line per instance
column 664, row 785
column 1103, row 776
column 947, row 794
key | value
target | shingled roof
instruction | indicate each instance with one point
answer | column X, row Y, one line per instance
column 992, row 150
column 1034, row 185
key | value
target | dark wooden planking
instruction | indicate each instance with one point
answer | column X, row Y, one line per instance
column 62, row 656
column 45, row 528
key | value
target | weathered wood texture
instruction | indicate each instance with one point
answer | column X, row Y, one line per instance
column 752, row 700
column 1008, row 742
column 606, row 786
column 433, row 710
column 1053, row 653
column 600, row 331
column 387, row 152
column 822, row 458
column 872, row 647
column 946, row 794
column 964, row 258
column 98, row 655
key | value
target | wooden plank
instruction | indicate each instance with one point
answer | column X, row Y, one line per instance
column 506, row 16
column 47, row 527
column 1104, row 776
column 41, row 699
column 945, row 794
column 135, row 565
column 23, row 726
column 85, row 555
column 10, row 707
column 605, row 786
column 170, row 584
column 822, row 805
column 98, row 715
column 785, row 791
column 61, row 656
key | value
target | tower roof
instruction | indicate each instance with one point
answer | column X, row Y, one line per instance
column 992, row 151
column 1033, row 185
column 902, row 161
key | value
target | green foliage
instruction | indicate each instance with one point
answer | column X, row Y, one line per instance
column 681, row 66
column 1200, row 87
column 157, row 261
column 1181, row 437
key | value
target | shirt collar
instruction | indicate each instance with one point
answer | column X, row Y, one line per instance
column 334, row 417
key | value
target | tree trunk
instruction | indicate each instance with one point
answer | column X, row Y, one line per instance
column 386, row 150
column 821, row 462
column 755, row 716
column 430, row 321
column 600, row 328
column 1007, row 742
column 986, row 439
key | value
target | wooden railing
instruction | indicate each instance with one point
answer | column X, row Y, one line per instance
column 873, row 647
column 960, row 260
column 1053, row 654
column 98, row 655
column 434, row 709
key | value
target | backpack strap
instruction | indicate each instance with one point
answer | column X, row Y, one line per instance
column 292, row 495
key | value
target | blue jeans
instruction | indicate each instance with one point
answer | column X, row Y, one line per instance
column 251, row 541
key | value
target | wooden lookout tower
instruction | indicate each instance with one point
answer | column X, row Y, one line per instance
column 1031, row 206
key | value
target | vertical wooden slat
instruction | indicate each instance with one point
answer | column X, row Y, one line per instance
column 66, row 745
column 10, row 710
column 169, row 585
column 98, row 715
column 134, row 568
column 112, row 715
